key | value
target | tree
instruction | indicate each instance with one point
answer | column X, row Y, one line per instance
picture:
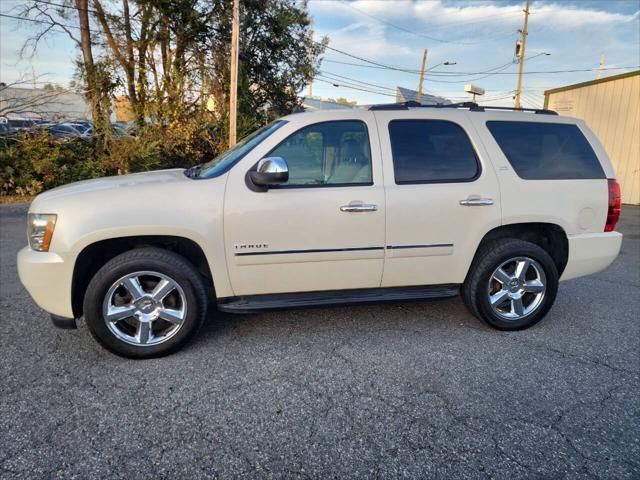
column 172, row 56
column 119, row 34
column 56, row 17
column 277, row 56
column 343, row 101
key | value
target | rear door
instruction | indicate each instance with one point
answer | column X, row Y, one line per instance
column 442, row 195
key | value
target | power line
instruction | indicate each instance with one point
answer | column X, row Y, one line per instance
column 362, row 59
column 71, row 7
column 53, row 24
column 356, row 80
column 406, row 70
column 454, row 74
column 373, row 64
column 498, row 71
column 360, row 65
column 351, row 84
column 478, row 20
column 355, row 88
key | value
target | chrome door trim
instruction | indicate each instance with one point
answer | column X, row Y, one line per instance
column 425, row 245
column 308, row 250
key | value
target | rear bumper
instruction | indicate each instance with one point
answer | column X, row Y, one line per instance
column 47, row 278
column 591, row 252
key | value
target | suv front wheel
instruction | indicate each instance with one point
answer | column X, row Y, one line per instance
column 146, row 302
column 511, row 284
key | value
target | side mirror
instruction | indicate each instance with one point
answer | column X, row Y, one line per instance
column 269, row 171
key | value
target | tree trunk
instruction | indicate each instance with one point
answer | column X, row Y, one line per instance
column 93, row 87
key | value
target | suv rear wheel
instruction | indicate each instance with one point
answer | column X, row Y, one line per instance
column 511, row 284
column 145, row 303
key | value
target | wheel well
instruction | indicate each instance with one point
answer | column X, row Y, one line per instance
column 94, row 256
column 548, row 236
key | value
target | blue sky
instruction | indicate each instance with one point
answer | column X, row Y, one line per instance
column 478, row 35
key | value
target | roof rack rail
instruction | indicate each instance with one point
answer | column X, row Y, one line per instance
column 472, row 106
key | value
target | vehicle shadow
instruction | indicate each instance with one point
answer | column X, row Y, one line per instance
column 433, row 315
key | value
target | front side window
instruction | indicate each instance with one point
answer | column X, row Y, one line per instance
column 431, row 151
column 546, row 151
column 328, row 153
column 228, row 159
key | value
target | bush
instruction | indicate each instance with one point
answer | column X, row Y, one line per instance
column 32, row 162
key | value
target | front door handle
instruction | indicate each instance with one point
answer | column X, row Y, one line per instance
column 476, row 202
column 359, row 207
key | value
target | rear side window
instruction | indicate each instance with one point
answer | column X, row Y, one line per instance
column 546, row 151
column 431, row 151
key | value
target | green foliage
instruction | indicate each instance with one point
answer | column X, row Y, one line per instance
column 33, row 162
column 171, row 60
column 277, row 56
column 30, row 163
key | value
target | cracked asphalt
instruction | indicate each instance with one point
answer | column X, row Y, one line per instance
column 420, row 390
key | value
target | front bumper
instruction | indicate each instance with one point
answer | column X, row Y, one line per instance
column 591, row 252
column 47, row 278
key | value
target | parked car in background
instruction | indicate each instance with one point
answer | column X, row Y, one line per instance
column 117, row 130
column 62, row 130
column 81, row 127
column 18, row 124
column 393, row 203
column 121, row 129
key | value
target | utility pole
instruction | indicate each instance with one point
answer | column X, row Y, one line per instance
column 311, row 61
column 523, row 44
column 233, row 93
column 602, row 57
column 424, row 64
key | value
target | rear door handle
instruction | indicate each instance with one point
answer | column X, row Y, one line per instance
column 359, row 207
column 476, row 202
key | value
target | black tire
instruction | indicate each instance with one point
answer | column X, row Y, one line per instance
column 146, row 259
column 475, row 292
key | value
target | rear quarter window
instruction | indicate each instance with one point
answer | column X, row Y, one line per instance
column 546, row 151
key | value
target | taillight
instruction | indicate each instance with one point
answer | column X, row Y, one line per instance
column 613, row 214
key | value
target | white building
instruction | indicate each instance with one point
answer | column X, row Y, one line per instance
column 39, row 103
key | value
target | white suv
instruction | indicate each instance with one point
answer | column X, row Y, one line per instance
column 392, row 203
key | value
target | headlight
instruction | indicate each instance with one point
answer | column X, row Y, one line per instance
column 40, row 230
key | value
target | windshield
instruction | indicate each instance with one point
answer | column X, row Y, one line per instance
column 225, row 161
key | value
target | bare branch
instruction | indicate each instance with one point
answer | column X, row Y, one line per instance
column 15, row 100
column 43, row 13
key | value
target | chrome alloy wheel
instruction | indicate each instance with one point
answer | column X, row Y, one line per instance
column 144, row 308
column 517, row 288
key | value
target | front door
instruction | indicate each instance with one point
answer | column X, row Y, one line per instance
column 322, row 230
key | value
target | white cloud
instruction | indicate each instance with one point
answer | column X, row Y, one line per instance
column 436, row 14
column 366, row 40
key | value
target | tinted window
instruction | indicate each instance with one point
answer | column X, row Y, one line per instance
column 328, row 153
column 431, row 151
column 546, row 151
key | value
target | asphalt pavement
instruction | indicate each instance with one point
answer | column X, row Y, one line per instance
column 420, row 390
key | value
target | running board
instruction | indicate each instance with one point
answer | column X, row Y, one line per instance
column 335, row 298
